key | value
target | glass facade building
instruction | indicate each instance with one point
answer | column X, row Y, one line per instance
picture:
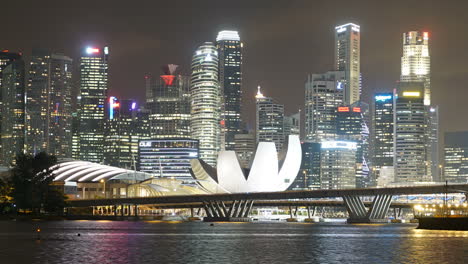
column 168, row 157
column 245, row 148
column 91, row 102
column 338, row 165
column 308, row 177
column 12, row 106
column 49, row 104
column 269, row 121
column 230, row 80
column 205, row 99
column 456, row 157
column 347, row 59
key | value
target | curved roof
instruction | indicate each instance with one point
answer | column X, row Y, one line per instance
column 80, row 171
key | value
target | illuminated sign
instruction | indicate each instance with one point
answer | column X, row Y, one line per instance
column 342, row 29
column 106, row 50
column 145, row 144
column 383, row 98
column 339, row 145
column 426, row 35
column 133, row 105
column 90, row 50
column 339, row 86
column 112, row 104
column 168, row 79
column 343, row 109
column 357, row 109
column 355, row 29
column 411, row 94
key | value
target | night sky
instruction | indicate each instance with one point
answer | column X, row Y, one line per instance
column 283, row 41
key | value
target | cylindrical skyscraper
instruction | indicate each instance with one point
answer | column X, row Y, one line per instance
column 206, row 102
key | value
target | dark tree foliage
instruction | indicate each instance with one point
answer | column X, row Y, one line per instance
column 6, row 199
column 31, row 178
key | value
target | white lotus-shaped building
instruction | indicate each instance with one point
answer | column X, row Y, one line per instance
column 266, row 173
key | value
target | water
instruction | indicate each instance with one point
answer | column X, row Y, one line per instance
column 182, row 242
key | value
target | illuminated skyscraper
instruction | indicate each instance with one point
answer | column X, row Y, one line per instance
column 168, row 100
column 12, row 108
column 338, row 165
column 382, row 133
column 323, row 94
column 347, row 59
column 456, row 157
column 416, row 62
column 48, row 105
column 245, row 148
column 125, row 126
column 92, row 98
column 432, row 143
column 292, row 124
column 206, row 102
column 269, row 121
column 410, row 133
column 230, row 80
column 308, row 177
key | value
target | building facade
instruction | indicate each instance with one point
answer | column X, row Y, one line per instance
column 269, row 121
column 206, row 102
column 456, row 157
column 347, row 59
column 323, row 94
column 12, row 108
column 416, row 61
column 125, row 126
column 92, row 101
column 49, row 104
column 410, row 133
column 308, row 177
column 338, row 165
column 168, row 158
column 168, row 100
column 230, row 80
column 245, row 148
column 382, row 133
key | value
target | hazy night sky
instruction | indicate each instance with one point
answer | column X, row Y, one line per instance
column 283, row 41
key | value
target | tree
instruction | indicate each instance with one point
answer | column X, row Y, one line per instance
column 6, row 199
column 31, row 178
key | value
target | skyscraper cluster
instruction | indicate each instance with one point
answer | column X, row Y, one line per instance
column 194, row 111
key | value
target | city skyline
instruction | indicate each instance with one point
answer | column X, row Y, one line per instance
column 380, row 45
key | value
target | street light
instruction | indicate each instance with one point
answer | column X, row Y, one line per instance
column 103, row 187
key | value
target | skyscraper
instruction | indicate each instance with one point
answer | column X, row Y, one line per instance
column 432, row 143
column 338, row 165
column 382, row 133
column 168, row 100
column 347, row 59
column 92, row 98
column 269, row 121
column 125, row 126
column 323, row 94
column 205, row 102
column 308, row 177
column 456, row 157
column 245, row 148
column 12, row 108
column 292, row 124
column 415, row 62
column 49, row 104
column 410, row 133
column 230, row 80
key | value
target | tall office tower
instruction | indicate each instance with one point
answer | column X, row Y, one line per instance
column 308, row 177
column 432, row 143
column 75, row 128
column 382, row 134
column 410, row 133
column 48, row 107
column 338, row 165
column 6, row 58
column 91, row 102
column 350, row 126
column 416, row 62
column 124, row 128
column 205, row 102
column 168, row 100
column 323, row 94
column 12, row 109
column 456, row 157
column 292, row 124
column 230, row 80
column 269, row 121
column 245, row 148
column 348, row 60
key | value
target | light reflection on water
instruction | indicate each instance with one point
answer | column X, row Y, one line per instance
column 151, row 242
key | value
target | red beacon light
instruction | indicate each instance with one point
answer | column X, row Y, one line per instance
column 90, row 50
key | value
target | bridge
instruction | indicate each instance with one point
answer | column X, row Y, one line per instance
column 235, row 205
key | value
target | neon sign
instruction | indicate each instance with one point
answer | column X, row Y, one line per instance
column 168, row 79
column 411, row 94
column 343, row 109
column 383, row 98
column 357, row 109
column 90, row 50
column 113, row 103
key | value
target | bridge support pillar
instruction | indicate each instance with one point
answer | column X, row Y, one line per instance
column 237, row 211
column 375, row 214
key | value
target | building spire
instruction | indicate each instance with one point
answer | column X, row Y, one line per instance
column 259, row 93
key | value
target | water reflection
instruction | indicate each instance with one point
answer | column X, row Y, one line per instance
column 162, row 242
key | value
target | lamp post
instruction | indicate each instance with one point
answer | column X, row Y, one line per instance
column 103, row 187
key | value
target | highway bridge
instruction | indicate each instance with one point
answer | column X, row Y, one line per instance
column 240, row 204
